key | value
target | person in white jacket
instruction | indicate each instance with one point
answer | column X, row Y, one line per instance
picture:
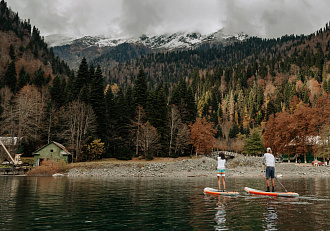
column 269, row 161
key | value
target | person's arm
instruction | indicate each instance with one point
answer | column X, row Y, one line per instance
column 263, row 160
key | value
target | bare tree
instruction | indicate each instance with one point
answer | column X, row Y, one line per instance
column 79, row 121
column 174, row 121
column 136, row 127
column 149, row 139
column 182, row 138
column 23, row 117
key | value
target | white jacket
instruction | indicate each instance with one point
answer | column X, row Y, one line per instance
column 269, row 160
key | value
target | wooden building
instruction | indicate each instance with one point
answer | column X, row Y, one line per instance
column 52, row 151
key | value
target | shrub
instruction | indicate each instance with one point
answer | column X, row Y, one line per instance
column 48, row 168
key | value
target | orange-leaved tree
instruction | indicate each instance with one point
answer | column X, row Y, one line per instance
column 202, row 135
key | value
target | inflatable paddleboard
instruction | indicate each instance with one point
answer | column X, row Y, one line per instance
column 216, row 192
column 274, row 194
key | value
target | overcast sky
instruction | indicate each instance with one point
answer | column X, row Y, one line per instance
column 127, row 18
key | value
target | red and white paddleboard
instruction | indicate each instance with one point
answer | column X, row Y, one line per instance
column 274, row 194
column 217, row 192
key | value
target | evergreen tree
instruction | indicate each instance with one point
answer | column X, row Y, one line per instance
column 140, row 89
column 97, row 102
column 39, row 78
column 233, row 131
column 157, row 113
column 57, row 92
column 270, row 109
column 121, row 116
column 190, row 107
column 82, row 80
column 130, row 105
column 10, row 78
column 253, row 144
column 69, row 89
column 12, row 52
column 111, row 122
column 23, row 78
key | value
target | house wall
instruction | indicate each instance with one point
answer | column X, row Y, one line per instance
column 50, row 151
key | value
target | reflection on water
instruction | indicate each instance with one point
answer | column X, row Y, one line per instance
column 34, row 203
column 220, row 216
column 271, row 218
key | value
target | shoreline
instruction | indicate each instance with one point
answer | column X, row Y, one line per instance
column 192, row 167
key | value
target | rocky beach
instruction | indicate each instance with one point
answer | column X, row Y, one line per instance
column 241, row 166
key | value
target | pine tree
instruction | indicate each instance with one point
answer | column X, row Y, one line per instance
column 10, row 78
column 57, row 92
column 82, row 80
column 253, row 144
column 140, row 89
column 12, row 52
column 39, row 78
column 98, row 103
column 22, row 78
column 157, row 112
column 111, row 122
column 69, row 89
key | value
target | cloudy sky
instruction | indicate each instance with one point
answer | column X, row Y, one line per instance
column 127, row 18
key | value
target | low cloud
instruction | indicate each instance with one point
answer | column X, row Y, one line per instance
column 125, row 18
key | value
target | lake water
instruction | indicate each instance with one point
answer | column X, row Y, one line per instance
column 49, row 203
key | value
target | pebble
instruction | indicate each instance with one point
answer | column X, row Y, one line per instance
column 240, row 166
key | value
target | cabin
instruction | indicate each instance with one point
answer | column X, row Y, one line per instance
column 305, row 145
column 52, row 151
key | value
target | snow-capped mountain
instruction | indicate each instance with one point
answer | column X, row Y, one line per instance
column 72, row 49
column 59, row 40
column 169, row 42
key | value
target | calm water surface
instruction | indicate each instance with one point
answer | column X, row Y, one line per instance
column 48, row 203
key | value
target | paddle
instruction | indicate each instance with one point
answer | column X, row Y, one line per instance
column 280, row 184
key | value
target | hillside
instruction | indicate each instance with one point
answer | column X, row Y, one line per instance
column 27, row 68
column 21, row 43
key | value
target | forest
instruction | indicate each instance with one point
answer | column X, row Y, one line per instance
column 243, row 97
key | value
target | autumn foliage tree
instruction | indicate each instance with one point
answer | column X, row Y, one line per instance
column 202, row 135
column 295, row 132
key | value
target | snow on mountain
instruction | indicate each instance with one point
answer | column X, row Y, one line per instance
column 168, row 42
column 59, row 39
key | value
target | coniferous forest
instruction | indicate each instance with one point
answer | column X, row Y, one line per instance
column 241, row 97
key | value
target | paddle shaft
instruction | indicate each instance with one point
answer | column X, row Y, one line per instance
column 281, row 184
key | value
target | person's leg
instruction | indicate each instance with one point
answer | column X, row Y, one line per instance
column 219, row 186
column 223, row 183
column 273, row 176
column 267, row 178
column 267, row 182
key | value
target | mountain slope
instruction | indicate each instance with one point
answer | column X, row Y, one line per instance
column 72, row 50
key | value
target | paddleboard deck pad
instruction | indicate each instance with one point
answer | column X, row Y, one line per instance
column 274, row 194
column 217, row 192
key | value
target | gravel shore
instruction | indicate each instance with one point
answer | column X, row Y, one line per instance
column 241, row 166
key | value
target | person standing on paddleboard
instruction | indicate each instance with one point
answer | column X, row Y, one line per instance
column 221, row 169
column 269, row 161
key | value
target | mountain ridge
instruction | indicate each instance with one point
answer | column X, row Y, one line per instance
column 165, row 41
column 71, row 49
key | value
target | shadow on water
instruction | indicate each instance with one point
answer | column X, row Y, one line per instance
column 34, row 203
